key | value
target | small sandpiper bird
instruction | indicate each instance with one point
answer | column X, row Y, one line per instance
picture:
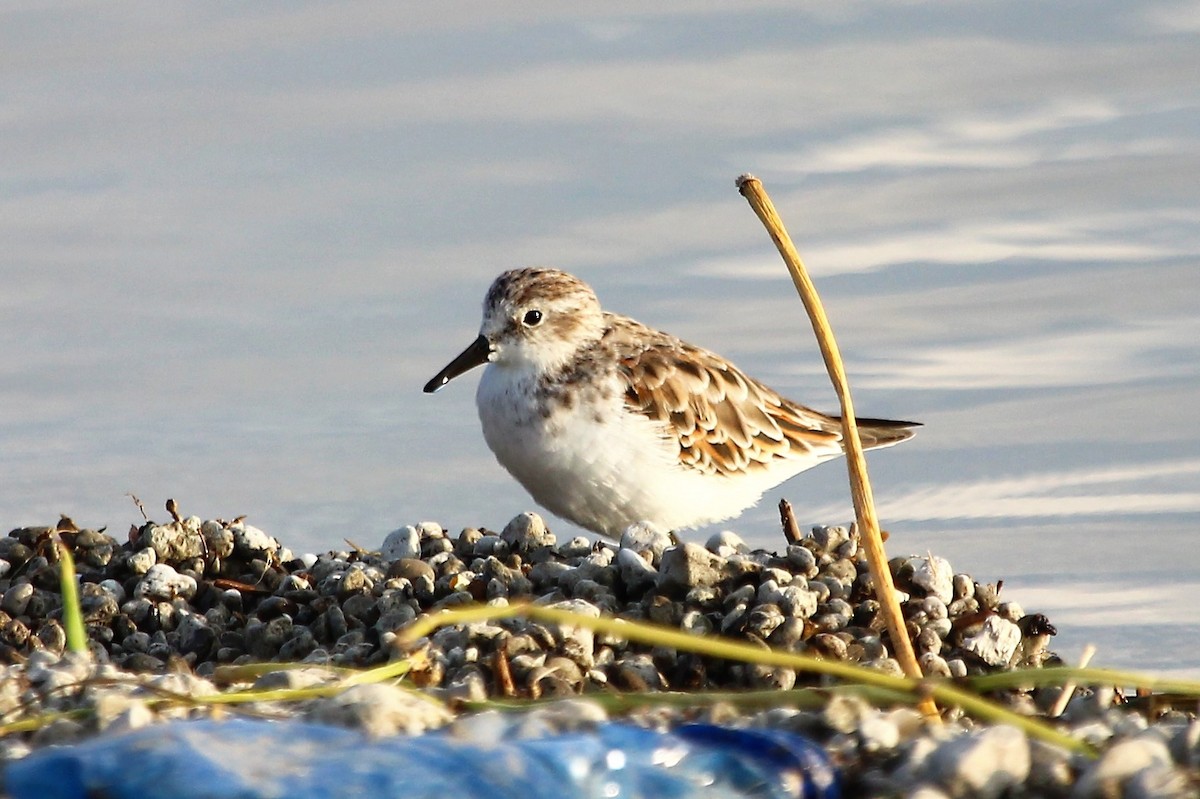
column 607, row 422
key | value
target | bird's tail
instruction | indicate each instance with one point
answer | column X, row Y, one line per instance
column 877, row 433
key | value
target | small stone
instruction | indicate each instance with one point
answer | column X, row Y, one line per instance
column 796, row 602
column 775, row 678
column 1107, row 775
column 995, row 642
column 688, row 566
column 163, row 582
column 527, row 531
column 559, row 676
column 114, row 589
column 94, row 548
column 636, row 572
column 1160, row 782
column 828, row 646
column 218, row 538
column 878, row 732
column 1185, row 744
column 354, row 581
column 726, row 543
column 935, row 575
column 175, row 542
column 982, row 764
column 577, row 547
column 762, row 620
column 264, row 639
column 577, row 643
column 16, row 599
column 787, row 636
column 404, row 543
column 934, row 665
column 637, row 673
column 844, row 712
column 196, row 636
column 827, row 539
column 117, row 713
column 380, row 710
column 802, row 560
column 141, row 561
column 1011, row 611
column 249, row 541
column 696, row 623
column 645, row 537
column 1050, row 769
column 928, row 641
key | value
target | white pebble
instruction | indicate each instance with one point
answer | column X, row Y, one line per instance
column 163, row 582
column 725, row 543
column 934, row 575
column 982, row 764
column 251, row 540
column 402, row 543
column 996, row 642
column 1120, row 762
column 635, row 571
column 141, row 561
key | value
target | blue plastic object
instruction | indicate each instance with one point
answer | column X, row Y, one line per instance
column 243, row 759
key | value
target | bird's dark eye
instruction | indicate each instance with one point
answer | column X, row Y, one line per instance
column 532, row 318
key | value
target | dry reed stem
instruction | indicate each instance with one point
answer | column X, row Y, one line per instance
column 1068, row 689
column 791, row 530
column 860, row 487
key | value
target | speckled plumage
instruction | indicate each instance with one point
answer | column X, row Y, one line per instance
column 607, row 422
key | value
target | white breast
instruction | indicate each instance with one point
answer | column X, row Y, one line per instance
column 600, row 464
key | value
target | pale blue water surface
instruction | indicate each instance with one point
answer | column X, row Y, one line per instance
column 237, row 240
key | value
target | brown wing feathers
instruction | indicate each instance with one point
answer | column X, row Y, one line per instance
column 726, row 421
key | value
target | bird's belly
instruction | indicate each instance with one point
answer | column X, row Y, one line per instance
column 604, row 467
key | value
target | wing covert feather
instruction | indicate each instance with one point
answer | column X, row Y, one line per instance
column 725, row 421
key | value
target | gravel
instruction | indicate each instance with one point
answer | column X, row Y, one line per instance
column 173, row 602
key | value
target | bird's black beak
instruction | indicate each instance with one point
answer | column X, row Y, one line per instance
column 475, row 355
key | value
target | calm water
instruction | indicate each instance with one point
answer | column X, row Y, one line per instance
column 236, row 242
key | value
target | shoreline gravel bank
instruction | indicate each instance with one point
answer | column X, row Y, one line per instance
column 170, row 607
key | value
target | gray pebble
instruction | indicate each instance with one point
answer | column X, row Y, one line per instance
column 801, row 603
column 645, row 537
column 16, row 599
column 687, row 566
column 527, row 531
column 826, row 539
column 802, row 560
